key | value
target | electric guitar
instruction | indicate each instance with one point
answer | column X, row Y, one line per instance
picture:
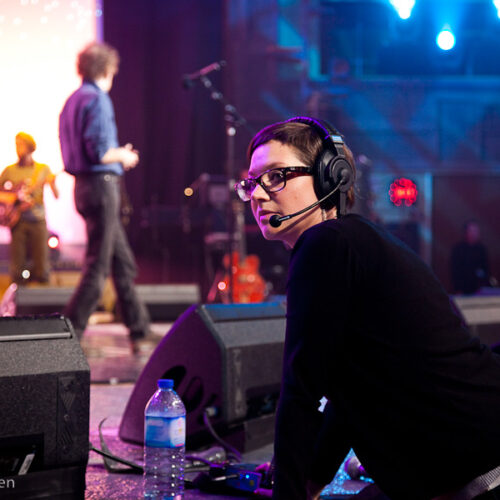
column 246, row 285
column 17, row 198
column 14, row 202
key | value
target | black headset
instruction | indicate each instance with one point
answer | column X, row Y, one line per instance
column 331, row 171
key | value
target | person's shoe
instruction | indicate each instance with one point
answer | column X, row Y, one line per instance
column 144, row 345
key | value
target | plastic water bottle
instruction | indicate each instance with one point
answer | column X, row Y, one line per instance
column 164, row 444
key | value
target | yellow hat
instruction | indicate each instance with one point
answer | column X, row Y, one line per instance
column 28, row 139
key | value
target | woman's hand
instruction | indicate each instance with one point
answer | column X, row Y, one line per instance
column 263, row 493
column 266, row 489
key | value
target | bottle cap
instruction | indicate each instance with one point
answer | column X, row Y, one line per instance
column 165, row 383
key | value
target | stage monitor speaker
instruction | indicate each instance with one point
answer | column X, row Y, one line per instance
column 44, row 409
column 168, row 302
column 482, row 314
column 226, row 357
column 43, row 300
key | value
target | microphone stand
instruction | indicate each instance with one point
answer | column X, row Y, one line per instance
column 232, row 120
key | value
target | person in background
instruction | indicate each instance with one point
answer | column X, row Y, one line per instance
column 91, row 152
column 369, row 328
column 470, row 268
column 26, row 215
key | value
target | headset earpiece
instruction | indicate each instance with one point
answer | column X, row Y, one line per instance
column 331, row 168
column 343, row 175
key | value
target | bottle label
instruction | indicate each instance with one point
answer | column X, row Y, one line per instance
column 165, row 432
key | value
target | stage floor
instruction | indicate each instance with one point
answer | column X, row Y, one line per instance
column 113, row 371
column 108, row 401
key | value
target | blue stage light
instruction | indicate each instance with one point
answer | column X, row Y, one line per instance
column 403, row 7
column 445, row 39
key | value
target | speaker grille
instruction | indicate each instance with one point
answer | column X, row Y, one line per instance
column 45, row 387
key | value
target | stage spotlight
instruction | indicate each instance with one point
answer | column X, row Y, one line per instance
column 53, row 241
column 496, row 3
column 54, row 244
column 445, row 39
column 403, row 7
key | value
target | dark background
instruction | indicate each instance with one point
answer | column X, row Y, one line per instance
column 408, row 107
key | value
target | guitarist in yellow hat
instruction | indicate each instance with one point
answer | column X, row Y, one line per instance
column 22, row 209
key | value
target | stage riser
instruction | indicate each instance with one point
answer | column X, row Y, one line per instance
column 164, row 302
column 168, row 302
column 482, row 316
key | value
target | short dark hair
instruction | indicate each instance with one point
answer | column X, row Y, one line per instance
column 96, row 60
column 304, row 139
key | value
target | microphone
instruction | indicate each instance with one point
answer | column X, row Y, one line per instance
column 188, row 80
column 275, row 220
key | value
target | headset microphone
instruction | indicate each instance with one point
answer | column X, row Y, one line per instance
column 275, row 220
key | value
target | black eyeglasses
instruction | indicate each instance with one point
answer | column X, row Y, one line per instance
column 271, row 181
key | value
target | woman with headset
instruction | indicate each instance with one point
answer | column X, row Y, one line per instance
column 371, row 329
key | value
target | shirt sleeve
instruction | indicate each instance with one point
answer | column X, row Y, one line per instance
column 310, row 445
column 97, row 128
column 49, row 175
column 486, row 264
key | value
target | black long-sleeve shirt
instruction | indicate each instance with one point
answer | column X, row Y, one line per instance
column 469, row 267
column 371, row 328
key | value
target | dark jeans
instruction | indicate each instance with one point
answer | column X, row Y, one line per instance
column 30, row 235
column 97, row 199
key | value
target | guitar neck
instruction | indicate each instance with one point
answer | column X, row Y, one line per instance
column 239, row 228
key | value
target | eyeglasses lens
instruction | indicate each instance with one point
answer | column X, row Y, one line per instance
column 273, row 180
column 244, row 189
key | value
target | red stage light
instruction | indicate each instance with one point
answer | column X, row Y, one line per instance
column 403, row 191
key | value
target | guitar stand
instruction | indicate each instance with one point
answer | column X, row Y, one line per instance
column 232, row 120
column 216, row 243
column 214, row 289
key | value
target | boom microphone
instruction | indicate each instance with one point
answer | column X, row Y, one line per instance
column 275, row 220
column 188, row 80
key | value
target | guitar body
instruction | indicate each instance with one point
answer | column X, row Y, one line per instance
column 11, row 208
column 15, row 201
column 247, row 284
column 241, row 281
